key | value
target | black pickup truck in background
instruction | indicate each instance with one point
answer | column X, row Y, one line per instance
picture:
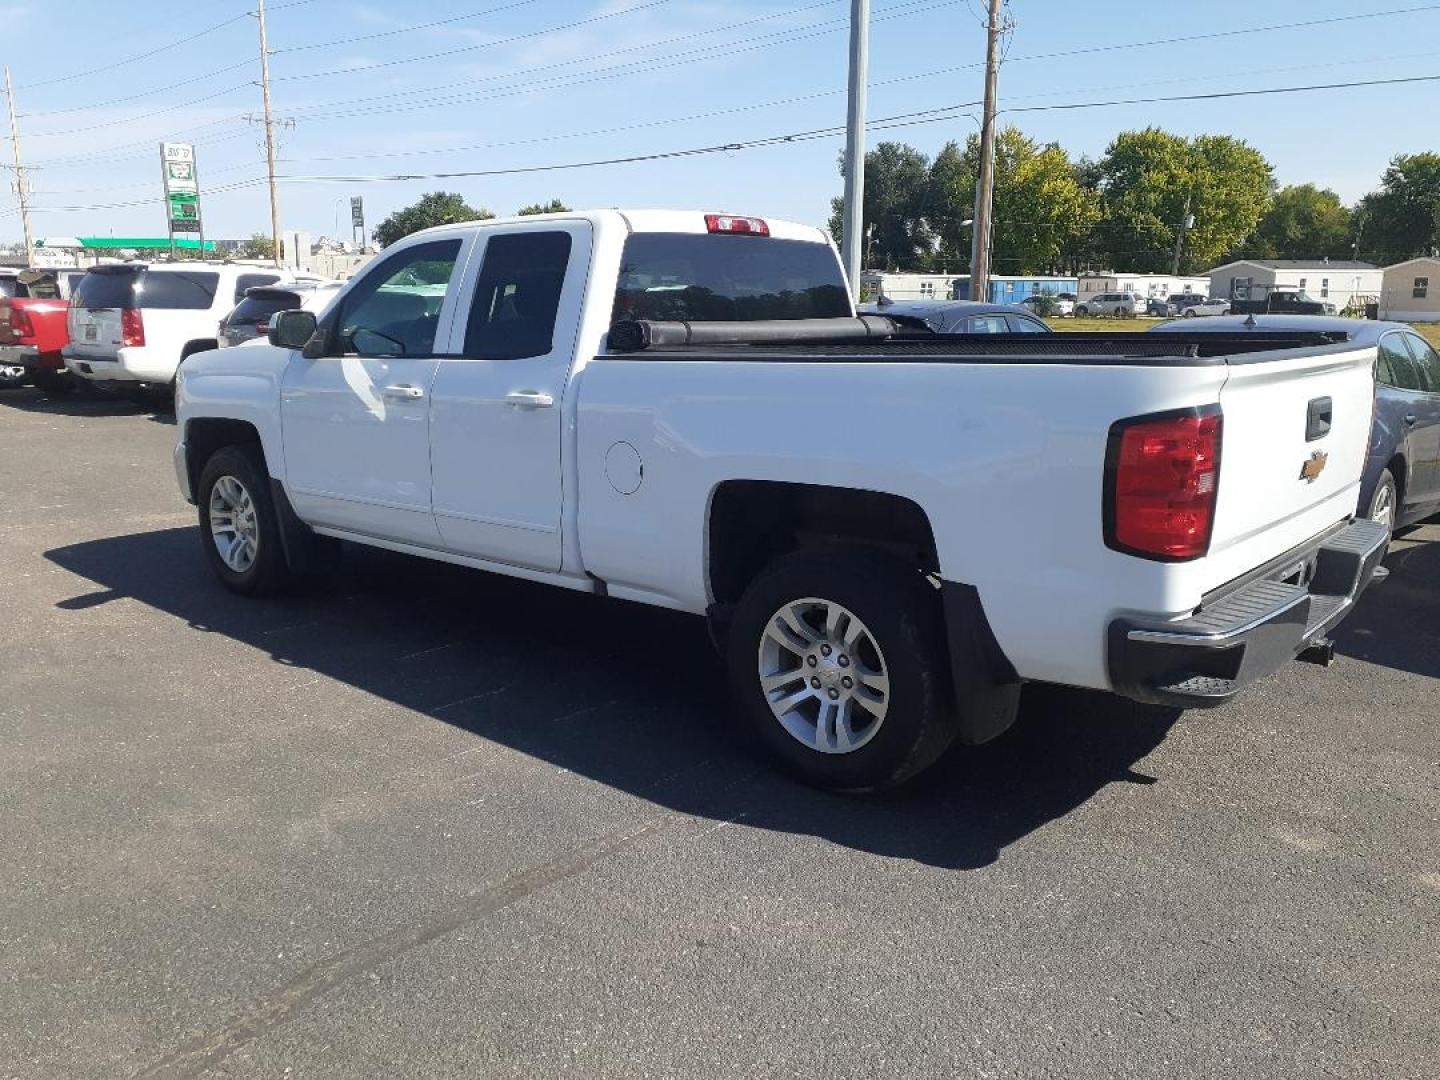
column 1280, row 302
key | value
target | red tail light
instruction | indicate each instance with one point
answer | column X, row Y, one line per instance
column 20, row 323
column 132, row 328
column 729, row 223
column 1162, row 475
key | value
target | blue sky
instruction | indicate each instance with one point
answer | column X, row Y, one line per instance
column 534, row 83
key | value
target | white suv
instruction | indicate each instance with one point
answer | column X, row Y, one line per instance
column 1126, row 305
column 135, row 322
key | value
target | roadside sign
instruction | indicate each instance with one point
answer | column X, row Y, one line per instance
column 357, row 212
column 182, row 189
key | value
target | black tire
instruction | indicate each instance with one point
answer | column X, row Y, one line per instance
column 902, row 614
column 267, row 571
column 1385, row 486
column 1188, row 313
column 1082, row 312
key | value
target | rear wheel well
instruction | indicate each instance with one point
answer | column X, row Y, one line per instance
column 755, row 522
column 206, row 435
column 199, row 345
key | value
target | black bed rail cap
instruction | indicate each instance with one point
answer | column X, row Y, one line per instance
column 635, row 335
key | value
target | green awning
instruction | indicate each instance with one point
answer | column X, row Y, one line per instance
column 142, row 243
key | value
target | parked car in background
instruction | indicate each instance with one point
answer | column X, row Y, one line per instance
column 1158, row 305
column 1121, row 305
column 1201, row 308
column 133, row 323
column 1280, row 302
column 251, row 317
column 1058, row 305
column 961, row 316
column 1401, row 483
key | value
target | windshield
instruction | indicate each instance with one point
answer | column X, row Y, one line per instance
column 706, row 277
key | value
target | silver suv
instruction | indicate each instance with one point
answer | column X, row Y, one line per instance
column 1123, row 305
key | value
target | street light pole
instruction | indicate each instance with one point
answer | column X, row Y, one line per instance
column 853, row 234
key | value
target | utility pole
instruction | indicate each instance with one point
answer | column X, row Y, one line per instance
column 1186, row 220
column 269, row 133
column 985, row 190
column 853, row 239
column 21, row 188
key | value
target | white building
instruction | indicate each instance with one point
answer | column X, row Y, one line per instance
column 900, row 285
column 1142, row 285
column 1339, row 282
column 1411, row 290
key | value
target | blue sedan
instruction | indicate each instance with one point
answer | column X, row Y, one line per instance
column 1401, row 485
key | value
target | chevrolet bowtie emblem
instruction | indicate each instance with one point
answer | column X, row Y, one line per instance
column 1311, row 470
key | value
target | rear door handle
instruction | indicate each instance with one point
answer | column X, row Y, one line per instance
column 406, row 391
column 529, row 399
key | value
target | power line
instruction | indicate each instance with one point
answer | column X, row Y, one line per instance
column 614, row 71
column 604, row 16
column 144, row 93
column 923, row 116
column 143, row 116
column 403, row 29
column 1223, row 94
column 71, row 76
column 570, row 64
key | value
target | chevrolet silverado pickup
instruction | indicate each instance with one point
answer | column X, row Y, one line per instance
column 890, row 531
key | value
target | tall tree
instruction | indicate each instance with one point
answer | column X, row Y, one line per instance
column 1041, row 209
column 896, row 183
column 1303, row 222
column 1402, row 218
column 436, row 208
column 554, row 206
column 259, row 246
column 1151, row 178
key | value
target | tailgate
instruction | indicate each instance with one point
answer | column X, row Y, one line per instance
column 1296, row 430
column 94, row 332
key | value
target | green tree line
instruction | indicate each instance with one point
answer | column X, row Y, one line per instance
column 445, row 208
column 1124, row 210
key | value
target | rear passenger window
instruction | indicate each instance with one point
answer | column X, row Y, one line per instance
column 989, row 324
column 1394, row 366
column 1029, row 326
column 176, row 290
column 249, row 281
column 518, row 295
column 1427, row 363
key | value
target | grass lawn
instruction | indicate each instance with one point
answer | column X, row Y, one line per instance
column 1429, row 331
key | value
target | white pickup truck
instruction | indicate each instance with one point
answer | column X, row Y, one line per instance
column 889, row 531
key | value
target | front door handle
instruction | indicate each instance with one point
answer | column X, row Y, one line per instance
column 1409, row 419
column 529, row 399
column 406, row 391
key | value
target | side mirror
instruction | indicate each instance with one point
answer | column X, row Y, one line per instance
column 291, row 329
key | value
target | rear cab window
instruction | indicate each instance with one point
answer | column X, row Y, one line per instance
column 260, row 304
column 132, row 287
column 722, row 278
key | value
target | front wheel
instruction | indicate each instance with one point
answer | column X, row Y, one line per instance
column 1190, row 314
column 239, row 527
column 838, row 660
column 1082, row 311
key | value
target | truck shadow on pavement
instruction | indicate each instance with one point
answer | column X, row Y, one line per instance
column 86, row 402
column 1397, row 622
column 624, row 695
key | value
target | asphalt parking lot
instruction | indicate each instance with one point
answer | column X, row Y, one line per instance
column 417, row 821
